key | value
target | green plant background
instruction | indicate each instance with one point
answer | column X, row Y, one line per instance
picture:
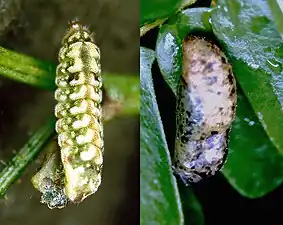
column 35, row 28
column 249, row 32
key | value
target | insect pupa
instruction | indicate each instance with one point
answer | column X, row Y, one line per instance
column 79, row 125
column 206, row 105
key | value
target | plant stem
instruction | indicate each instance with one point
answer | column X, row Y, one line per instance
column 25, row 156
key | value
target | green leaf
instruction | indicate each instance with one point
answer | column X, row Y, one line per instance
column 160, row 202
column 169, row 55
column 246, row 31
column 254, row 167
column 191, row 207
column 152, row 10
column 169, row 44
column 193, row 20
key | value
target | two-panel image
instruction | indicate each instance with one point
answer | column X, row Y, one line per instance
column 151, row 112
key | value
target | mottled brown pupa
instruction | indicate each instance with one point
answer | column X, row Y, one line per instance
column 206, row 105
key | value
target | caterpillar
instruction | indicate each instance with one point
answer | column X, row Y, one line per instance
column 49, row 179
column 79, row 125
column 205, row 110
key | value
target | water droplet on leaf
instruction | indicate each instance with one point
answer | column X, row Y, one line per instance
column 274, row 65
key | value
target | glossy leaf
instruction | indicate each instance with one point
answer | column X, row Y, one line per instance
column 191, row 207
column 254, row 167
column 169, row 55
column 152, row 10
column 246, row 31
column 159, row 196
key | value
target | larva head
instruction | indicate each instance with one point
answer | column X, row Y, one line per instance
column 76, row 32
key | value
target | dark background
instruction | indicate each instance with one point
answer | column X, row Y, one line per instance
column 35, row 28
column 220, row 202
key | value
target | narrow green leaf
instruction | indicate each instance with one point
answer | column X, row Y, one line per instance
column 246, row 31
column 27, row 70
column 26, row 155
column 160, row 203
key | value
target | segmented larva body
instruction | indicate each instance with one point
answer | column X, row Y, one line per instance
column 79, row 112
column 206, row 105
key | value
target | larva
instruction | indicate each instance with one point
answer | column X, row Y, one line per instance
column 49, row 179
column 206, row 104
column 79, row 112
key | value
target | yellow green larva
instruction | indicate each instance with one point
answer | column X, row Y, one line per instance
column 79, row 112
column 206, row 105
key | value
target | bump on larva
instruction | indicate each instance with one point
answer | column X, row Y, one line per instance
column 79, row 112
column 205, row 110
